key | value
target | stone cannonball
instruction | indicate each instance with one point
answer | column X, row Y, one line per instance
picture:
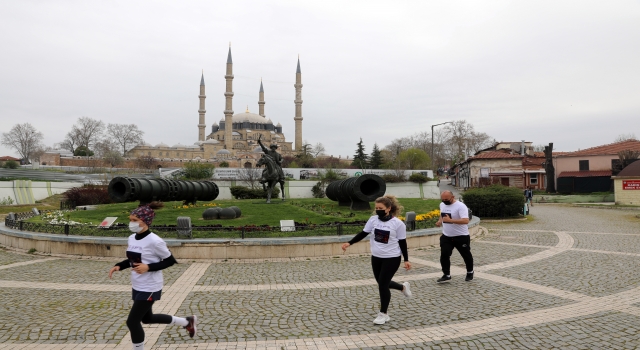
column 211, row 214
column 237, row 210
column 227, row 213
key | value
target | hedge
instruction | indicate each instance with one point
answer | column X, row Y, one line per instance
column 241, row 192
column 494, row 201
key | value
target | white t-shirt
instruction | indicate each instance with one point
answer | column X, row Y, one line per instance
column 151, row 249
column 384, row 236
column 456, row 210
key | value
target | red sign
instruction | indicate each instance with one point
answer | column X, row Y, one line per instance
column 631, row 184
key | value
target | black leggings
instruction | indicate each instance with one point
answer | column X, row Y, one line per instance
column 462, row 244
column 383, row 270
column 141, row 312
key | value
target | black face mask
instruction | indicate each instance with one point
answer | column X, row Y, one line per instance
column 381, row 213
column 446, row 202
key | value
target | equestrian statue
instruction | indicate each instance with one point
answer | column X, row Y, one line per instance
column 272, row 173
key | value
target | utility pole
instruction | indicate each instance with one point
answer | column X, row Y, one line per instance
column 432, row 143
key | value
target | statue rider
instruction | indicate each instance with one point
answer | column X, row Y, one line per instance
column 277, row 158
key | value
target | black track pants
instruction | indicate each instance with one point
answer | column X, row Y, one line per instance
column 462, row 244
column 141, row 312
column 383, row 270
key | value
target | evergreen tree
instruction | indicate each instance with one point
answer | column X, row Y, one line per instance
column 376, row 157
column 360, row 159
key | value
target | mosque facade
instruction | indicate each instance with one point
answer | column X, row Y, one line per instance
column 234, row 139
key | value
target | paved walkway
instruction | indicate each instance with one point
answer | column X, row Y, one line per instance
column 568, row 280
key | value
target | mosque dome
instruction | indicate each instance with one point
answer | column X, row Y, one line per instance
column 198, row 143
column 210, row 142
column 279, row 125
column 250, row 117
column 178, row 145
column 162, row 145
column 223, row 151
column 193, row 147
column 257, row 150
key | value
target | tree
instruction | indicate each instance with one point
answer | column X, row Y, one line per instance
column 376, row 157
column 318, row 150
column 414, row 158
column 626, row 137
column 87, row 131
column 71, row 141
column 127, row 136
column 113, row 158
column 304, row 157
column 626, row 157
column 360, row 158
column 24, row 138
column 146, row 162
column 197, row 171
column 251, row 176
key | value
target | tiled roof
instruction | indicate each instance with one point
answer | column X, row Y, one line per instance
column 632, row 169
column 594, row 173
column 496, row 155
column 610, row 149
column 5, row 158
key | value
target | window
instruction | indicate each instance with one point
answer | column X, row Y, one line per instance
column 533, row 179
column 584, row 165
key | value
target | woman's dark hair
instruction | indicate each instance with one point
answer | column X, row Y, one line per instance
column 153, row 205
column 391, row 201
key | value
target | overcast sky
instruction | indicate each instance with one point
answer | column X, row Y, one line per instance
column 566, row 72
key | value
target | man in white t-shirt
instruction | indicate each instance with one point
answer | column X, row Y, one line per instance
column 454, row 217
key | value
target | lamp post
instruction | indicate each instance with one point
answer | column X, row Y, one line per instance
column 432, row 141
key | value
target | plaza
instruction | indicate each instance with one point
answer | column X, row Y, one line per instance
column 566, row 279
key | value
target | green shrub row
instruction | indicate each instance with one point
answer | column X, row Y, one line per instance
column 241, row 192
column 494, row 201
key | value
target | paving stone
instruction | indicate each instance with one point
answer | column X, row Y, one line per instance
column 606, row 242
column 593, row 274
column 326, row 270
column 79, row 271
column 7, row 258
column 548, row 239
column 483, row 254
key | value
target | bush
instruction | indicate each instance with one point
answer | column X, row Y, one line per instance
column 88, row 195
column 10, row 164
column 223, row 165
column 197, row 171
column 418, row 178
column 392, row 178
column 494, row 201
column 241, row 192
column 318, row 190
column 83, row 151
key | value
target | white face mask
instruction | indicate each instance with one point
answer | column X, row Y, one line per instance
column 134, row 227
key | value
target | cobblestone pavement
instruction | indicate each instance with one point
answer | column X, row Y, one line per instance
column 569, row 279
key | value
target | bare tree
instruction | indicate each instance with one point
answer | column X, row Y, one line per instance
column 38, row 152
column 87, row 131
column 24, row 138
column 625, row 137
column 146, row 162
column 126, row 135
column 318, row 150
column 251, row 176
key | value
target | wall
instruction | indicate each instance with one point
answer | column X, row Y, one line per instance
column 572, row 163
column 27, row 192
column 626, row 197
column 211, row 248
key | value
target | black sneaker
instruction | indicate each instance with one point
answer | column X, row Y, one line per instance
column 469, row 276
column 192, row 327
column 444, row 279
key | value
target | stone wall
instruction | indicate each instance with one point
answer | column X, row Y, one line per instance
column 626, row 197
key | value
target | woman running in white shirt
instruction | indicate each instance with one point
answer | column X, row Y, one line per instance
column 147, row 255
column 388, row 241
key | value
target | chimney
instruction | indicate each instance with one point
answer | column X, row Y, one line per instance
column 522, row 148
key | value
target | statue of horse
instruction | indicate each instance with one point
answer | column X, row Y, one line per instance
column 270, row 176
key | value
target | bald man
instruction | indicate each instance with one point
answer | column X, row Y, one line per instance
column 454, row 217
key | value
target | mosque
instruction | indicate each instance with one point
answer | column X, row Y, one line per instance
column 235, row 139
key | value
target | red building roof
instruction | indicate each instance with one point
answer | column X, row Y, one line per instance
column 496, row 155
column 6, row 158
column 604, row 150
column 593, row 173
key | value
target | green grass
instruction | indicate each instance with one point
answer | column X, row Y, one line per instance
column 50, row 203
column 254, row 212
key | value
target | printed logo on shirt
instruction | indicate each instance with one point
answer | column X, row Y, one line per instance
column 134, row 258
column 381, row 236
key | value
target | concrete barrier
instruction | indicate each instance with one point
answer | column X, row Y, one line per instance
column 251, row 248
column 28, row 192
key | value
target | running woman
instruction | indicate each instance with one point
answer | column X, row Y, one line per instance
column 388, row 241
column 147, row 255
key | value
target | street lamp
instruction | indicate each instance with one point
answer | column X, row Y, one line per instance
column 432, row 141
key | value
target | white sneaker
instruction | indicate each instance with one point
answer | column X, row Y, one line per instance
column 382, row 318
column 406, row 291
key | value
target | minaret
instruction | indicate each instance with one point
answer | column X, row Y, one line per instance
column 228, row 108
column 261, row 101
column 298, row 102
column 201, row 110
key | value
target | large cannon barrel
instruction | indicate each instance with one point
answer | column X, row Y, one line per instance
column 362, row 189
column 128, row 189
